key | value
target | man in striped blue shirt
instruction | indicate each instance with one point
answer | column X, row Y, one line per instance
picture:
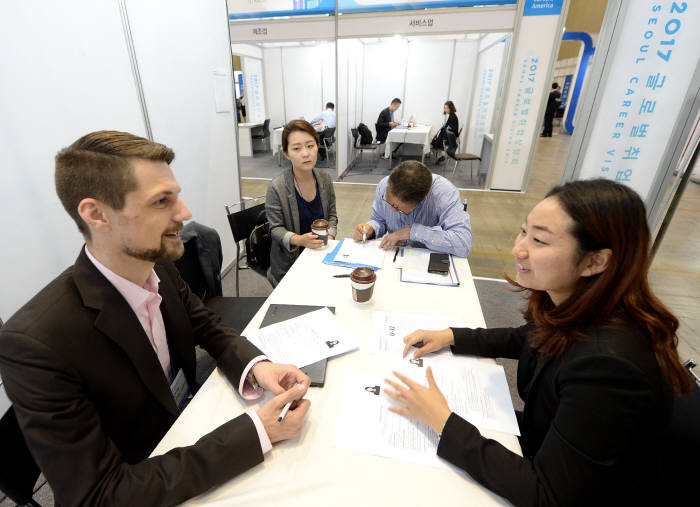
column 414, row 207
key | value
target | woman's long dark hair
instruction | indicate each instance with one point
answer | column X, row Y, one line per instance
column 608, row 215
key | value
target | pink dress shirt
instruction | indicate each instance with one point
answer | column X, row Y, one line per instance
column 145, row 302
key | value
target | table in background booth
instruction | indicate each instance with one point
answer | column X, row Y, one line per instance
column 310, row 470
column 420, row 135
column 245, row 140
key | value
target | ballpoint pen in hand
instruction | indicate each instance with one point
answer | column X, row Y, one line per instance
column 284, row 411
column 395, row 254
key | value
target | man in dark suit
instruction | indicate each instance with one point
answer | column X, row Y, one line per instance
column 553, row 102
column 100, row 362
column 386, row 122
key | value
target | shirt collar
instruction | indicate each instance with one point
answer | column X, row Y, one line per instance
column 136, row 296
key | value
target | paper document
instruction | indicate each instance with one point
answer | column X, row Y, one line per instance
column 413, row 258
column 476, row 391
column 305, row 339
column 417, row 272
column 389, row 329
column 365, row 253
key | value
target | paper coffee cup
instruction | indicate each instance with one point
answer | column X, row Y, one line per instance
column 320, row 228
column 362, row 282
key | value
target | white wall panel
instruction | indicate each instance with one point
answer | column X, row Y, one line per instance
column 427, row 81
column 302, row 82
column 65, row 72
column 176, row 57
column 463, row 69
column 326, row 52
column 384, row 72
column 274, row 87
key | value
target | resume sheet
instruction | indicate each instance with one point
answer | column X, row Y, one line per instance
column 390, row 328
column 476, row 391
column 365, row 253
column 305, row 339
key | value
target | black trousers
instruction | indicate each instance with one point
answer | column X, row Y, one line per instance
column 548, row 120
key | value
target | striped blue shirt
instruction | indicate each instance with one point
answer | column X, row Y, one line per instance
column 438, row 223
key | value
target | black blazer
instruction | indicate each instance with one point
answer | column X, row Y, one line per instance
column 93, row 402
column 591, row 421
column 383, row 125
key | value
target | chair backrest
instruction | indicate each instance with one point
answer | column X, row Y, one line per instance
column 18, row 470
column 266, row 127
column 242, row 225
column 451, row 144
column 355, row 136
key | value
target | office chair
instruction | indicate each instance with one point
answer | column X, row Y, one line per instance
column 242, row 224
column 680, row 448
column 362, row 147
column 458, row 157
column 262, row 134
column 327, row 143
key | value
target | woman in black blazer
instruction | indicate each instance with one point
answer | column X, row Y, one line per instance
column 451, row 122
column 598, row 361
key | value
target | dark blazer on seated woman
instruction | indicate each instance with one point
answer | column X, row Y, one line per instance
column 282, row 210
column 591, row 420
column 453, row 124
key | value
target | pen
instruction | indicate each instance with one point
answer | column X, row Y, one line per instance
column 284, row 411
column 395, row 254
column 342, row 276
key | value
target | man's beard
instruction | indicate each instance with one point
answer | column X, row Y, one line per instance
column 162, row 254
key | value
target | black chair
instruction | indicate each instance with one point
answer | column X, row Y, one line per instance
column 357, row 146
column 327, row 143
column 458, row 157
column 680, row 448
column 242, row 224
column 262, row 135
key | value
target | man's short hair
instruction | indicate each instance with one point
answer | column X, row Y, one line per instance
column 330, row 105
column 98, row 166
column 555, row 85
column 410, row 181
column 396, row 101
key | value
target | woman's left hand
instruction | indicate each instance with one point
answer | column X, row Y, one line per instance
column 424, row 404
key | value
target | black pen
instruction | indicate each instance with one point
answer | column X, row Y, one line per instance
column 342, row 276
column 395, row 254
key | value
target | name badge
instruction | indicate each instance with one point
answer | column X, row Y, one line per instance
column 180, row 390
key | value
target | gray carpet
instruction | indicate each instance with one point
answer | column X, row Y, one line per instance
column 499, row 304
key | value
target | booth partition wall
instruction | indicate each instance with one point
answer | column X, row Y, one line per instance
column 361, row 56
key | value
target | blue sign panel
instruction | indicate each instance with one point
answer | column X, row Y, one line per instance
column 350, row 6
column 565, row 90
column 242, row 9
column 542, row 7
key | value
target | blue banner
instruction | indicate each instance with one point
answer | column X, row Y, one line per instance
column 542, row 7
column 352, row 6
column 242, row 9
column 565, row 90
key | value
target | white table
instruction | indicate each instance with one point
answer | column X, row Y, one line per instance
column 309, row 471
column 420, row 134
column 245, row 140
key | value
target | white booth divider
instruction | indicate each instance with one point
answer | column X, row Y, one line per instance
column 67, row 72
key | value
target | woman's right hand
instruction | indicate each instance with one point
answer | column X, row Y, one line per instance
column 428, row 341
column 308, row 240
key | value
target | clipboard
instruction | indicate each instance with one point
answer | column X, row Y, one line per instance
column 278, row 313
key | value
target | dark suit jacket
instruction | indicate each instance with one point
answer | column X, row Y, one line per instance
column 383, row 125
column 553, row 102
column 591, row 421
column 93, row 402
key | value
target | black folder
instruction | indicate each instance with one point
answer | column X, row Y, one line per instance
column 279, row 313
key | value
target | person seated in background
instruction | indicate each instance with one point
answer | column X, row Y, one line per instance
column 326, row 118
column 452, row 123
column 414, row 207
column 598, row 362
column 99, row 364
column 297, row 197
column 385, row 121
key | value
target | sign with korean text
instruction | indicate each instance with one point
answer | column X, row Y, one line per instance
column 525, row 91
column 653, row 63
column 255, row 97
column 488, row 75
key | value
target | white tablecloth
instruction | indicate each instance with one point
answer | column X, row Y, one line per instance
column 420, row 134
column 309, row 471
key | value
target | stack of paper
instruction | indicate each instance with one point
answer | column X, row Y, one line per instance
column 414, row 268
column 389, row 329
column 355, row 254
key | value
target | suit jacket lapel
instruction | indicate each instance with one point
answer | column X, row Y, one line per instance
column 117, row 321
column 322, row 192
column 292, row 197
